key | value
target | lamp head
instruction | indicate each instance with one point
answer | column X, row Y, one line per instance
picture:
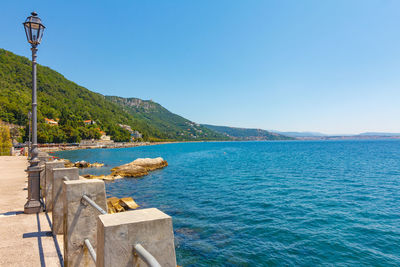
column 34, row 29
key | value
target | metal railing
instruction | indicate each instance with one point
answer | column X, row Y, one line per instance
column 138, row 249
column 86, row 241
column 91, row 249
column 146, row 256
column 93, row 204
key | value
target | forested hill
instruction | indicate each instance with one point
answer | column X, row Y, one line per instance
column 70, row 105
column 166, row 124
column 241, row 134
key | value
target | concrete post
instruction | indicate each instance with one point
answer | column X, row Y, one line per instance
column 48, row 182
column 42, row 180
column 44, row 157
column 80, row 220
column 57, row 192
column 33, row 204
column 118, row 233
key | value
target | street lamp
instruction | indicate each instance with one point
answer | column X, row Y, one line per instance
column 34, row 31
column 30, row 133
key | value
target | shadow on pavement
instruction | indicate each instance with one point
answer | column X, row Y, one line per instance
column 39, row 234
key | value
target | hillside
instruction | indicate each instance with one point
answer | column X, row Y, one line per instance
column 166, row 124
column 58, row 98
column 70, row 104
column 247, row 134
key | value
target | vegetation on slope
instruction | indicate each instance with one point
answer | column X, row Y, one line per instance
column 165, row 124
column 247, row 134
column 5, row 140
column 58, row 98
column 70, row 104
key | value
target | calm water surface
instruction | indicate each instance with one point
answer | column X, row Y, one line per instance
column 331, row 203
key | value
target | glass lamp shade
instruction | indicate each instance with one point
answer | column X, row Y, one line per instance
column 34, row 29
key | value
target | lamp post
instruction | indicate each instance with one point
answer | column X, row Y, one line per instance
column 29, row 134
column 34, row 31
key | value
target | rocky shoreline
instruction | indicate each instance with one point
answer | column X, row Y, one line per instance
column 62, row 147
column 137, row 168
column 82, row 164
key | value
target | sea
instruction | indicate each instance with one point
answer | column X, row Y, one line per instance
column 270, row 203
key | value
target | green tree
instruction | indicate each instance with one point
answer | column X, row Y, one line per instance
column 5, row 140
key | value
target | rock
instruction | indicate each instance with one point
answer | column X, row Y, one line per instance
column 136, row 168
column 89, row 176
column 96, row 165
column 120, row 205
column 139, row 167
column 68, row 163
column 128, row 203
column 150, row 164
column 82, row 164
column 129, row 170
column 101, row 177
column 113, row 205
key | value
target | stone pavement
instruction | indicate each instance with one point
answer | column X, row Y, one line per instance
column 25, row 239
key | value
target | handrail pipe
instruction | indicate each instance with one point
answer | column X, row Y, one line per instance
column 91, row 249
column 93, row 204
column 146, row 256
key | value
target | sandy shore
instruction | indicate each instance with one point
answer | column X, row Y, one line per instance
column 25, row 239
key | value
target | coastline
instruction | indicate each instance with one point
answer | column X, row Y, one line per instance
column 64, row 147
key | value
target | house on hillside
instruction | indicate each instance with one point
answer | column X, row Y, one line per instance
column 89, row 122
column 50, row 121
column 104, row 136
column 136, row 135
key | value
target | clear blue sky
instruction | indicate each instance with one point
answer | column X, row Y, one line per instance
column 331, row 66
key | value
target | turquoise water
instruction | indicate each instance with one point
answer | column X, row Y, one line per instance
column 330, row 203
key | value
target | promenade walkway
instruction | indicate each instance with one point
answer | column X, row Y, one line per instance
column 25, row 239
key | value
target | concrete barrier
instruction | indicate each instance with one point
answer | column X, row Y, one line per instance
column 80, row 220
column 42, row 163
column 57, row 196
column 47, row 189
column 42, row 181
column 118, row 233
column 44, row 157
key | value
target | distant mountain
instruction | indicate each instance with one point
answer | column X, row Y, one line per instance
column 300, row 134
column 379, row 134
column 163, row 123
column 321, row 136
column 246, row 133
